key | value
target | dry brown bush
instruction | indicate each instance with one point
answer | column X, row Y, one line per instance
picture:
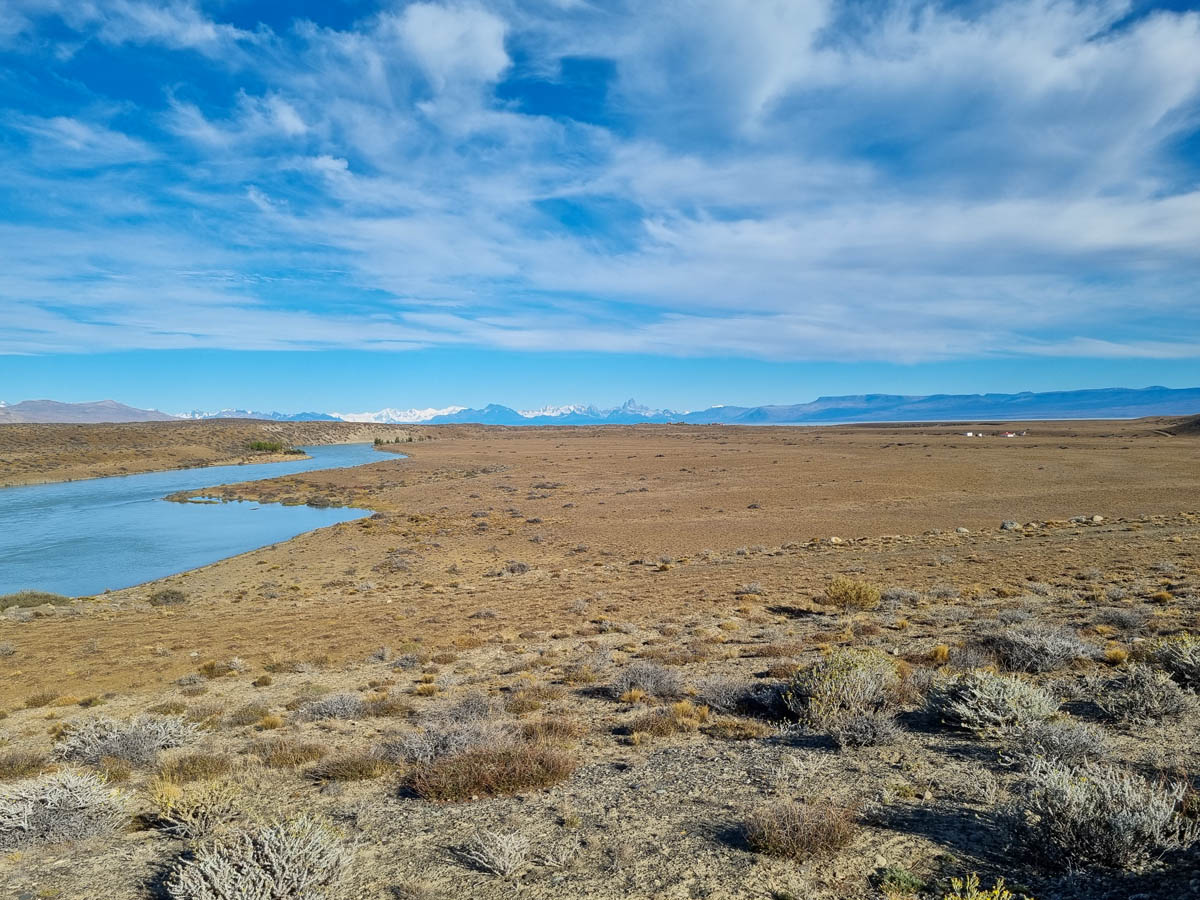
column 800, row 830
column 284, row 753
column 490, row 772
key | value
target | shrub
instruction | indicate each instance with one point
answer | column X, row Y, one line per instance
column 800, row 830
column 246, row 715
column 168, row 597
column 1141, row 694
column 1101, row 815
column 21, row 764
column 282, row 753
column 335, row 706
column 297, row 860
column 444, row 738
column 1062, row 741
column 724, row 694
column 650, row 678
column 1180, row 657
column 497, row 853
column 990, row 704
column 1131, row 619
column 849, row 593
column 845, row 684
column 195, row 810
column 56, row 808
column 137, row 741
column 872, row 728
column 968, row 889
column 1035, row 647
column 490, row 772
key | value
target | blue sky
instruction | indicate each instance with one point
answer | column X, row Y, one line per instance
column 346, row 205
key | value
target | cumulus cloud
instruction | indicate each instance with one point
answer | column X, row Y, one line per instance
column 789, row 181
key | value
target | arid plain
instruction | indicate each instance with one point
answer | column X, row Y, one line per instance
column 634, row 604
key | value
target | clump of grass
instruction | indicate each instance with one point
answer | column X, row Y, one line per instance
column 800, row 831
column 285, row 753
column 735, row 728
column 1101, row 815
column 27, row 599
column 301, row 859
column 850, row 593
column 349, row 767
column 21, row 764
column 40, row 699
column 990, row 704
column 677, row 718
column 58, row 807
column 1142, row 695
column 491, row 772
column 195, row 767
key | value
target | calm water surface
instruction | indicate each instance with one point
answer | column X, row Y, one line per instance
column 83, row 537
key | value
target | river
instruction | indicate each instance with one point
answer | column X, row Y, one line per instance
column 81, row 538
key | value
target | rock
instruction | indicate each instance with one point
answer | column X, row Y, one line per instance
column 836, row 540
column 1096, row 520
column 961, row 530
column 1010, row 525
column 18, row 614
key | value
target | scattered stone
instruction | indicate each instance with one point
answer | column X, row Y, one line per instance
column 1010, row 525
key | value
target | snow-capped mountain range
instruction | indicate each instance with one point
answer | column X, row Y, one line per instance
column 1105, row 403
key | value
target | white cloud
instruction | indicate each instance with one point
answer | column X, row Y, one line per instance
column 781, row 181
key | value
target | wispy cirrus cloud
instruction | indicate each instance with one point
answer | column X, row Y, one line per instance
column 788, row 181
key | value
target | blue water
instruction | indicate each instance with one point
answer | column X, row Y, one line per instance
column 83, row 537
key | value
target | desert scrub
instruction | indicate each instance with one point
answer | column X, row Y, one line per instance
column 724, row 694
column 1141, row 695
column 497, row 853
column 192, row 811
column 1063, row 741
column 335, row 706
column 800, row 830
column 1035, row 647
column 990, row 704
column 301, row 859
column 168, row 597
column 850, row 694
column 57, row 808
column 1077, row 817
column 442, row 738
column 650, row 679
column 137, row 741
column 491, row 772
column 850, row 593
column 1179, row 656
